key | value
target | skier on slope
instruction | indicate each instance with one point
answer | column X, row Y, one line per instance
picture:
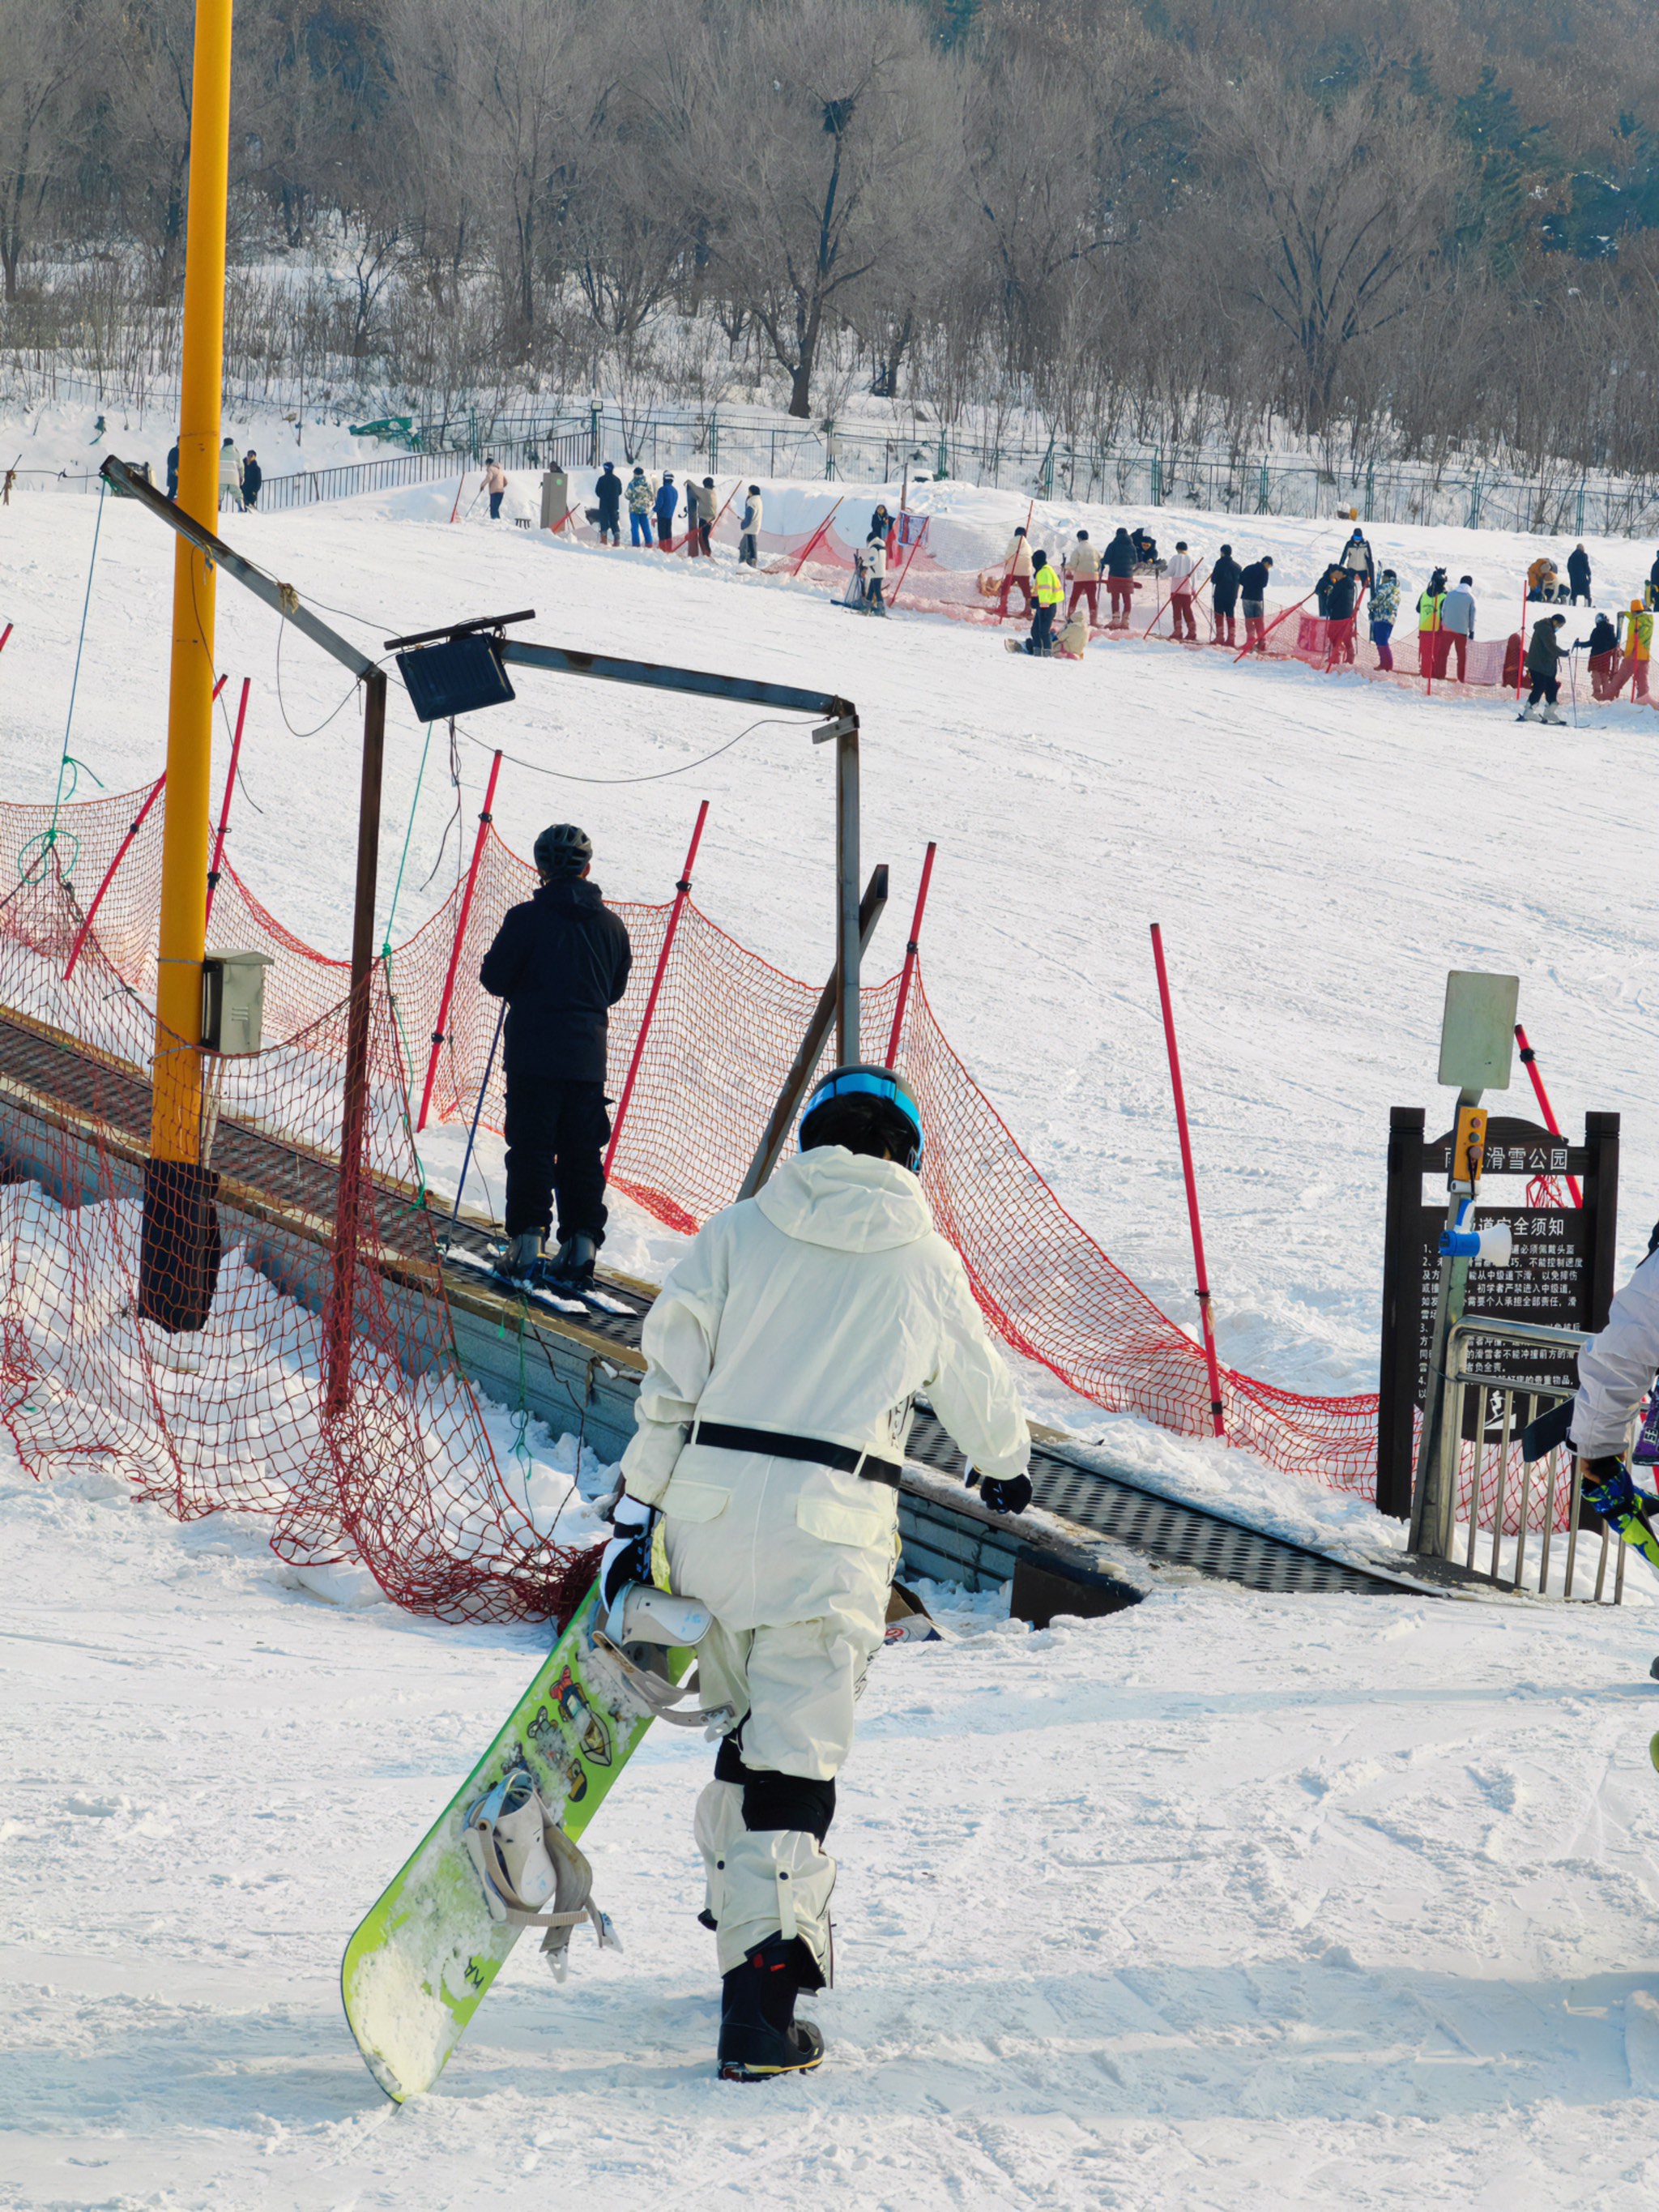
column 748, row 529
column 1224, row 578
column 785, row 1353
column 640, row 493
column 560, row 960
column 608, row 491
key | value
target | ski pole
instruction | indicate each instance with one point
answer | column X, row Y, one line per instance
column 1212, row 1364
column 477, row 1114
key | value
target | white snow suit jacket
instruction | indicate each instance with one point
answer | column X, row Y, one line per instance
column 1019, row 554
column 752, row 514
column 818, row 1309
column 1084, row 562
column 1182, row 568
column 1616, row 1368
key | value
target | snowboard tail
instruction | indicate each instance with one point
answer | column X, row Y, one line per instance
column 420, row 1962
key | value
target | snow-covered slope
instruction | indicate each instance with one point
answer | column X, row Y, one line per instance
column 1319, row 850
column 1325, row 1901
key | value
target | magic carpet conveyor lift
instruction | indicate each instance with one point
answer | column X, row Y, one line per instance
column 838, row 720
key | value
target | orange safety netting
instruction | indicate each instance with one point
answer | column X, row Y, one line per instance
column 398, row 1466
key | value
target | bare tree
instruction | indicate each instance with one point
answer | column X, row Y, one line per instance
column 39, row 83
column 1327, row 217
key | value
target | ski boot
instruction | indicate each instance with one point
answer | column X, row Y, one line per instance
column 517, row 1267
column 760, row 2036
column 570, row 1272
column 1553, row 716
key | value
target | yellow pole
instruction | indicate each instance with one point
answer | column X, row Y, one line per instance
column 176, row 1111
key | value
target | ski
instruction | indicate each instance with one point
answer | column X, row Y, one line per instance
column 570, row 1303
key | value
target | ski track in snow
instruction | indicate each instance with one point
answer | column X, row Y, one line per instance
column 1344, row 1901
column 1227, row 1898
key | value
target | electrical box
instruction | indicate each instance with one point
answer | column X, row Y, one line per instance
column 555, row 498
column 456, row 677
column 233, row 1000
column 1477, row 1032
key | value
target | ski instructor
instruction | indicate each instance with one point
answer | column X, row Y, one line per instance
column 785, row 1353
column 560, row 960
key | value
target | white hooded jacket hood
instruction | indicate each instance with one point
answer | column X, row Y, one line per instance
column 847, row 1201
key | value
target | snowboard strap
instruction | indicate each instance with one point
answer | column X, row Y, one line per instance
column 661, row 1698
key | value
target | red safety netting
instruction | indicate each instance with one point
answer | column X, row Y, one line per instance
column 401, row 1469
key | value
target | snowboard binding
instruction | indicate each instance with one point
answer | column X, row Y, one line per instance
column 523, row 1859
column 642, row 1625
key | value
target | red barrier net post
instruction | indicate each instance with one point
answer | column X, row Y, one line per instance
column 681, row 892
column 816, row 534
column 224, row 804
column 912, row 947
column 1530, row 1061
column 455, row 950
column 4, row 635
column 1209, row 1360
column 121, row 851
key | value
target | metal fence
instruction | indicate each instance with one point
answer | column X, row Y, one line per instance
column 1509, row 1403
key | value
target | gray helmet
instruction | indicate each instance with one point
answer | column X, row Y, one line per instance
column 563, row 850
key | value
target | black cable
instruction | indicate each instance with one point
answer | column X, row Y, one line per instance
column 563, row 775
column 282, row 705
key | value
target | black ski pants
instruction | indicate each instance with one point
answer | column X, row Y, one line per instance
column 1543, row 687
column 556, row 1134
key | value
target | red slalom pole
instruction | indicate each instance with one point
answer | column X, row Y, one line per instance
column 4, row 635
column 910, row 951
column 681, row 892
column 813, row 540
column 1530, row 1061
column 1209, row 1360
column 133, row 827
column 230, row 786
column 484, row 820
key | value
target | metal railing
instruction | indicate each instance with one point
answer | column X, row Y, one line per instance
column 1511, row 1402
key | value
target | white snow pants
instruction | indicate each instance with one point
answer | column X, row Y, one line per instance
column 795, row 1562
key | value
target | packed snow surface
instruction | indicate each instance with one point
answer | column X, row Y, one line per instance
column 1220, row 1901
column 1224, row 1898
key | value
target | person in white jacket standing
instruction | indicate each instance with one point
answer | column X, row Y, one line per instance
column 785, row 1352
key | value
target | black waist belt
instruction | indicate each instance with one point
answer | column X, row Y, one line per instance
column 724, row 1438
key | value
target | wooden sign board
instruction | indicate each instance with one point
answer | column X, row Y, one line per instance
column 1561, row 1275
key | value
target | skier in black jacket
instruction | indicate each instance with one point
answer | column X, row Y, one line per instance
column 1119, row 565
column 1224, row 578
column 1252, row 587
column 608, row 491
column 561, row 960
column 1578, row 574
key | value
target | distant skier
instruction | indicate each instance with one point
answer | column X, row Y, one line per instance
column 1119, row 577
column 495, row 484
column 1545, row 655
column 1356, row 554
column 609, row 492
column 254, row 477
column 1016, row 569
column 707, row 515
column 1578, row 575
column 1083, row 566
column 640, row 493
column 784, row 1354
column 1341, row 606
column 1182, row 569
column 664, row 507
column 1385, row 606
column 1430, row 652
column 1047, row 590
column 1603, row 644
column 1253, row 602
column 1457, row 621
column 560, row 960
column 1224, row 596
column 1635, row 628
column 875, row 573
column 748, row 529
column 173, row 470
column 230, row 475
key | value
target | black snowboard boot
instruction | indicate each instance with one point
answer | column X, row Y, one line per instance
column 571, row 1269
column 760, row 2035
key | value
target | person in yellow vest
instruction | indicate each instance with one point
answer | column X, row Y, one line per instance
column 1636, row 635
column 1047, row 590
column 1430, row 660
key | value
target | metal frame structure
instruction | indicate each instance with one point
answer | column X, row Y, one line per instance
column 839, row 724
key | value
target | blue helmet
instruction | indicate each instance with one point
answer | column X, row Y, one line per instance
column 895, row 1110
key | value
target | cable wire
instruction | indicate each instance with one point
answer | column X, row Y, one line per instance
column 563, row 775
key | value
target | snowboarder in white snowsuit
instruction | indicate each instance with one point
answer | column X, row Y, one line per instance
column 785, row 1353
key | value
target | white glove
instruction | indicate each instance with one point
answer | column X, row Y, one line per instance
column 627, row 1555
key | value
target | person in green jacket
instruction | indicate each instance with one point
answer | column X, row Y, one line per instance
column 1431, row 635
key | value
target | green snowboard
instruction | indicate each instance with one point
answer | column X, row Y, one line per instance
column 418, row 1966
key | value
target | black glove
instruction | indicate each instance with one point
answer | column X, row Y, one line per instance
column 1007, row 1494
